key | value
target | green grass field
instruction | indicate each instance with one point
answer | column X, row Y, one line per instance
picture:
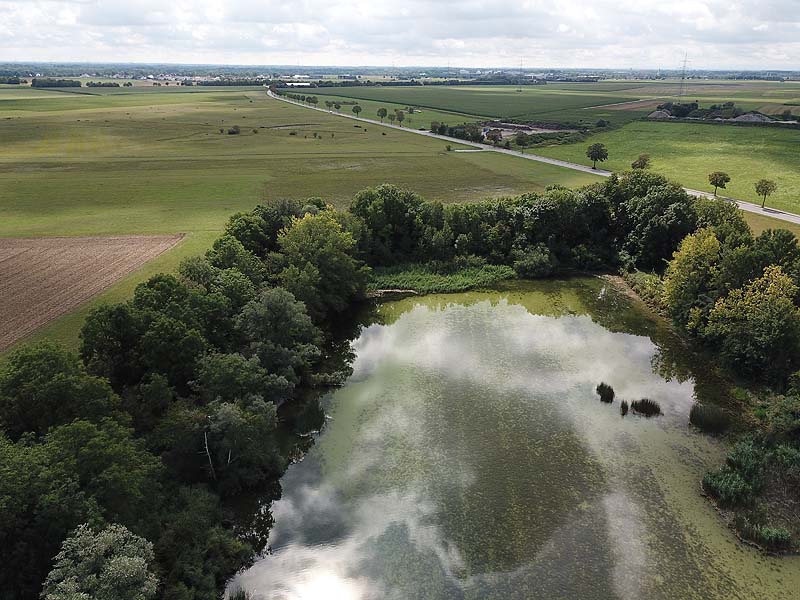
column 688, row 152
column 579, row 102
column 153, row 160
column 126, row 162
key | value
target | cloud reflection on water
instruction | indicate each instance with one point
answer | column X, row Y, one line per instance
column 344, row 531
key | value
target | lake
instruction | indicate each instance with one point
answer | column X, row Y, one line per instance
column 469, row 456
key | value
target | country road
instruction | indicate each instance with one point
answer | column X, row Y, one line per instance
column 747, row 206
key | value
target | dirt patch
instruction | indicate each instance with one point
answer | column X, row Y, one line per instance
column 642, row 105
column 44, row 278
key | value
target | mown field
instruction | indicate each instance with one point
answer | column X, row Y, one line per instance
column 688, row 152
column 114, row 161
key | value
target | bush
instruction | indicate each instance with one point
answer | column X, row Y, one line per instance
column 709, row 418
column 535, row 262
column 606, row 392
column 728, row 487
column 767, row 536
column 646, row 407
column 748, row 458
column 240, row 594
column 623, row 408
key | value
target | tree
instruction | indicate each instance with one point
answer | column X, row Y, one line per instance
column 44, row 385
column 227, row 252
column 643, row 162
column 250, row 229
column 764, row 188
column 392, row 217
column 234, row 378
column 758, row 327
column 382, row 112
column 392, row 117
column 328, row 104
column 356, row 109
column 654, row 218
column 109, row 465
column 108, row 564
column 320, row 267
column 41, row 506
column 719, row 180
column 337, row 106
column 241, row 445
column 595, row 153
column 276, row 328
column 400, row 117
column 198, row 554
column 690, row 279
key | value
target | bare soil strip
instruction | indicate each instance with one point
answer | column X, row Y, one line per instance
column 44, row 278
column 632, row 105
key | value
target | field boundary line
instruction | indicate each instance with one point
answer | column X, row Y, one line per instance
column 742, row 204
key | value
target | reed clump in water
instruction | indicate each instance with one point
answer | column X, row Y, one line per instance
column 709, row 418
column 606, row 392
column 646, row 407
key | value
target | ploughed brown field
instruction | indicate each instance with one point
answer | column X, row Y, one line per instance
column 43, row 278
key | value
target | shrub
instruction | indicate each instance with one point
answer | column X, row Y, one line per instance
column 235, row 130
column 728, row 487
column 240, row 594
column 646, row 407
column 709, row 418
column 748, row 459
column 772, row 538
column 606, row 392
column 623, row 408
column 535, row 262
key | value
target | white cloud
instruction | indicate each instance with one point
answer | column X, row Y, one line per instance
column 538, row 33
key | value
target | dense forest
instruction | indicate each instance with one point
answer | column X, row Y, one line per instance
column 121, row 463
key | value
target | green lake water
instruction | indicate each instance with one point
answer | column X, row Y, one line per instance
column 469, row 457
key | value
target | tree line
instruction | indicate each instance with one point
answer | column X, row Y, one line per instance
column 46, row 82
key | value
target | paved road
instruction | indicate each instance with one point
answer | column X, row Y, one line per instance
column 747, row 206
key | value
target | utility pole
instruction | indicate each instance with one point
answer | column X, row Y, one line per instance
column 682, row 90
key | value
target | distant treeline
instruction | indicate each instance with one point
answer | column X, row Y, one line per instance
column 327, row 83
column 102, row 84
column 11, row 80
column 777, row 124
column 233, row 82
column 39, row 82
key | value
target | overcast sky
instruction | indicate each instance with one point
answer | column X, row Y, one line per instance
column 552, row 33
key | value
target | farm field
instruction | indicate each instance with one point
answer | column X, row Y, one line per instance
column 421, row 118
column 152, row 161
column 118, row 162
column 617, row 102
column 47, row 277
column 688, row 152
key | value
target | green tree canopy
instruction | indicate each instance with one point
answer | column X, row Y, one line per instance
column 719, row 180
column 690, row 277
column 758, row 327
column 765, row 188
column 109, row 564
column 320, row 267
column 44, row 385
column 276, row 328
column 597, row 153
